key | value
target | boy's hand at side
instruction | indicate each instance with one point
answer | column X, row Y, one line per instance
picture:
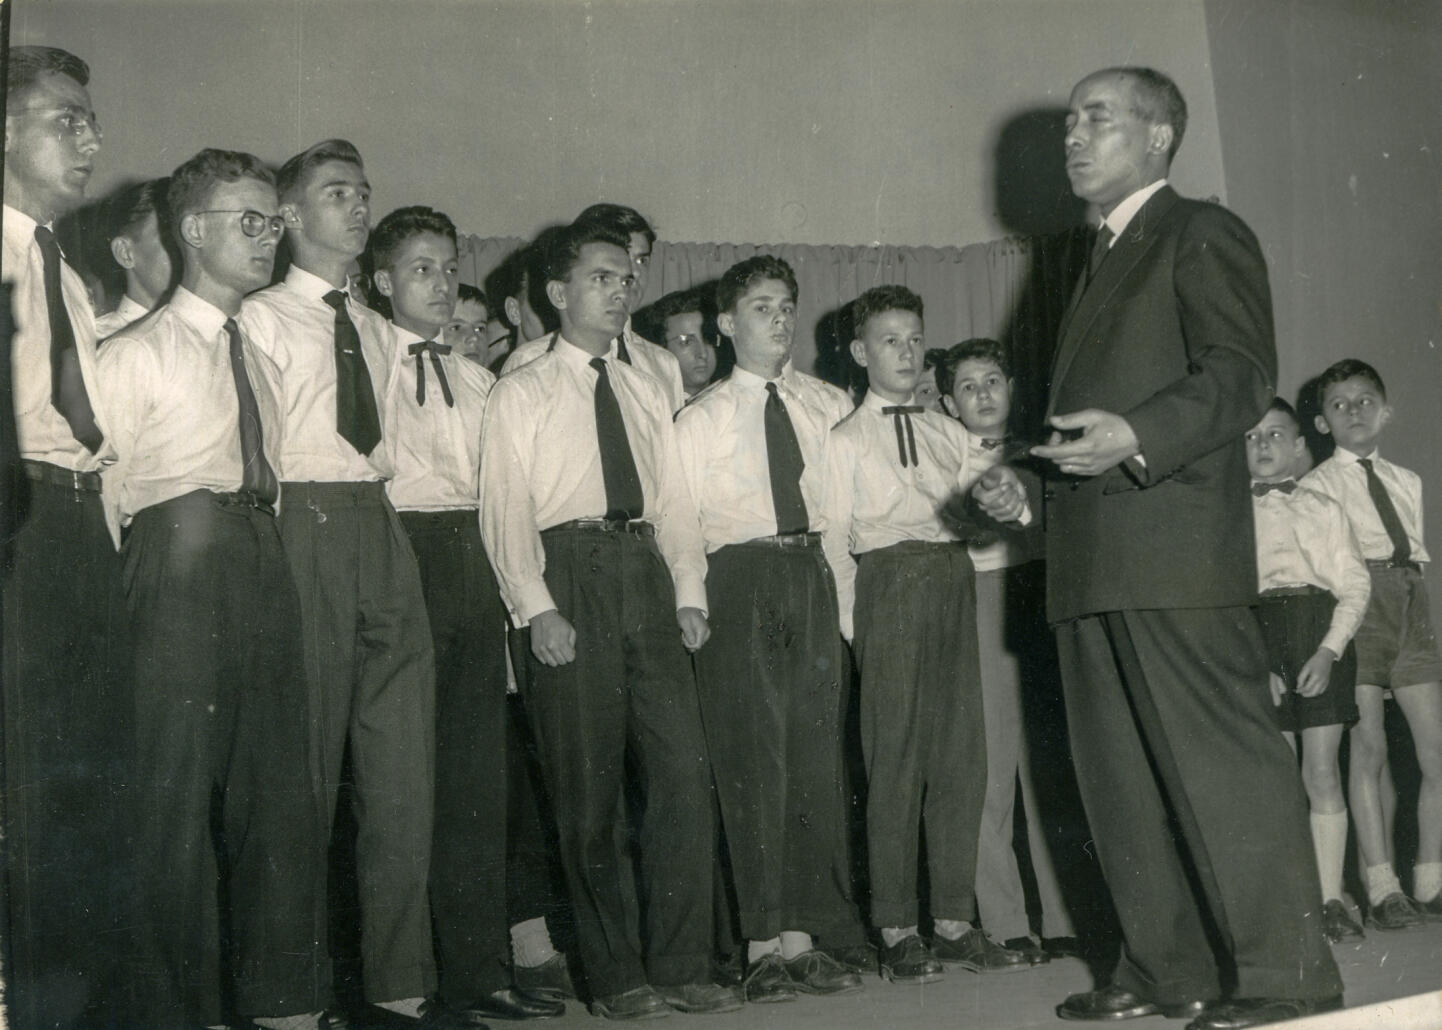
column 1000, row 495
column 1315, row 675
column 553, row 638
column 1105, row 442
column 1278, row 688
column 695, row 630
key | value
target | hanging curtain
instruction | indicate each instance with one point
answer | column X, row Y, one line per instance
column 1013, row 290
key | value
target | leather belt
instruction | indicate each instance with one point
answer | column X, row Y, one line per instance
column 44, row 472
column 635, row 527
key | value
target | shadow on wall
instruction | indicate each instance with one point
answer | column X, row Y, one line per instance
column 1033, row 195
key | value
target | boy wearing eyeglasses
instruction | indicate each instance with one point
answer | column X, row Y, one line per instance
column 220, row 693
column 66, row 661
column 367, row 639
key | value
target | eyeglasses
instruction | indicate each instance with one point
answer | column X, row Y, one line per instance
column 252, row 223
column 72, row 121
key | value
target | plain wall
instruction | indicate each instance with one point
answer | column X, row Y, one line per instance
column 1331, row 117
column 757, row 121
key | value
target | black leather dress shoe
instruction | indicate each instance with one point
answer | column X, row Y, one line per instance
column 1245, row 1012
column 1337, row 922
column 976, row 951
column 1394, row 912
column 910, row 961
column 1112, row 1003
column 638, row 1003
column 859, row 958
column 703, row 998
column 1029, row 949
column 767, row 981
column 513, row 1003
column 434, row 1016
column 815, row 972
column 1431, row 910
column 728, row 970
column 550, row 980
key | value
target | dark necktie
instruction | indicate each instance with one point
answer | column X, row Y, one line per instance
column 1100, row 249
column 1391, row 522
column 905, row 437
column 621, row 351
column 256, row 473
column 67, row 384
column 1286, row 486
column 783, row 455
column 356, row 417
column 624, row 498
column 419, row 351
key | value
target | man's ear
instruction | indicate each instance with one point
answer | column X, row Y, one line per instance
column 1386, row 415
column 949, row 406
column 858, row 352
column 1321, row 424
column 191, row 233
column 512, row 308
column 381, row 279
column 1161, row 139
column 291, row 214
column 122, row 252
column 555, row 293
column 726, row 322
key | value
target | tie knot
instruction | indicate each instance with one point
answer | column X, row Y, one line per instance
column 902, row 409
column 771, row 389
column 45, row 238
column 429, row 345
column 231, row 329
column 599, row 364
column 336, row 299
column 1105, row 235
column 1366, row 463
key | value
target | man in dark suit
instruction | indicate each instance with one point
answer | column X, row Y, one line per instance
column 1165, row 357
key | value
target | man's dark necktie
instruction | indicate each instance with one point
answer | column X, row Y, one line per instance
column 621, row 351
column 624, row 498
column 256, row 473
column 1099, row 251
column 67, row 384
column 783, row 455
column 419, row 352
column 905, row 436
column 356, row 417
column 1286, row 486
column 1391, row 522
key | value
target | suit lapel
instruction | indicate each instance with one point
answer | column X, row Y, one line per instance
column 1140, row 235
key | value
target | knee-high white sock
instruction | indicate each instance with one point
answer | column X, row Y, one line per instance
column 1426, row 880
column 1329, row 840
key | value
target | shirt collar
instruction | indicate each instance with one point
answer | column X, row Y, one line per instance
column 575, row 356
column 751, row 381
column 309, row 285
column 405, row 337
column 1123, row 213
column 1346, row 457
column 875, row 402
column 19, row 226
column 130, row 309
column 207, row 319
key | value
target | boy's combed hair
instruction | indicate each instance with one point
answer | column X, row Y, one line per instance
column 650, row 321
column 560, row 250
column 1280, row 404
column 127, row 211
column 403, row 223
column 191, row 184
column 1159, row 101
column 620, row 217
column 294, row 173
column 474, row 294
column 979, row 348
column 741, row 276
column 24, row 65
column 1348, row 368
column 880, row 299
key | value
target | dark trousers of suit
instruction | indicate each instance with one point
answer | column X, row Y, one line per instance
column 371, row 670
column 228, row 836
column 535, row 883
column 468, row 853
column 1197, row 807
column 922, row 732
column 630, row 687
column 68, row 725
column 771, row 680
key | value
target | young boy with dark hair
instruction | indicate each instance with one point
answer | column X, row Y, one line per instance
column 682, row 322
column 598, row 553
column 1314, row 591
column 368, row 642
column 1396, row 644
column 1018, row 679
column 915, row 645
column 472, row 333
column 756, row 455
column 140, row 245
column 195, row 419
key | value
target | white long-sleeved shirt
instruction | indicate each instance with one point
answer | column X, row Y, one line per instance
column 541, row 466
column 1305, row 539
column 295, row 327
column 41, row 431
column 127, row 311
column 176, row 414
column 1343, row 480
column 639, row 352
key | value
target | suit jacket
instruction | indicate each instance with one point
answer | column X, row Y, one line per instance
column 1174, row 334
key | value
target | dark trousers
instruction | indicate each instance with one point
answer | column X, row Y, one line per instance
column 771, row 683
column 68, row 732
column 228, row 835
column 1197, row 807
column 468, row 854
column 370, row 666
column 921, row 727
column 535, row 882
column 629, row 687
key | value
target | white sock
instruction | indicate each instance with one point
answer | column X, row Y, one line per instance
column 795, row 942
column 409, row 1007
column 756, row 950
column 1329, row 841
column 305, row 1021
column 1381, row 881
column 1426, row 880
column 951, row 929
column 894, row 935
column 531, row 943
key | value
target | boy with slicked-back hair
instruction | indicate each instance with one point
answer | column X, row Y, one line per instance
column 140, row 242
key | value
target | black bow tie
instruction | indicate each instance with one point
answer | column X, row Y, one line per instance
column 419, row 351
column 1262, row 489
column 991, row 445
